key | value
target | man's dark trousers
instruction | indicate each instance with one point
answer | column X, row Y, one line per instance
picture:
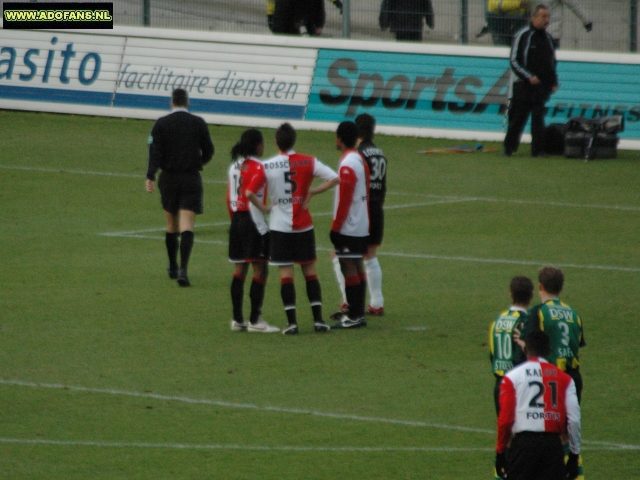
column 518, row 116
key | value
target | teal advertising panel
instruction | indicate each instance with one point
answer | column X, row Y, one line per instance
column 460, row 92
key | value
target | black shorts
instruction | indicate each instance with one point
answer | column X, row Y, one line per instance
column 376, row 224
column 246, row 245
column 181, row 191
column 293, row 247
column 536, row 455
column 349, row 247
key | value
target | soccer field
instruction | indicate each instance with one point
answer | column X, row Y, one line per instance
column 109, row 370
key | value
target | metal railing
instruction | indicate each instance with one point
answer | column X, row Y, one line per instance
column 615, row 22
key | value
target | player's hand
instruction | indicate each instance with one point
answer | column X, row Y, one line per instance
column 150, row 185
column 588, row 26
column 339, row 6
column 572, row 466
column 501, row 465
column 534, row 80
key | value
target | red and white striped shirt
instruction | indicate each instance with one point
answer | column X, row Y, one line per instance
column 240, row 173
column 351, row 208
column 289, row 176
column 537, row 396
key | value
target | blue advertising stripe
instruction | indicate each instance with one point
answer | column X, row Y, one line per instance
column 225, row 107
column 39, row 94
column 460, row 92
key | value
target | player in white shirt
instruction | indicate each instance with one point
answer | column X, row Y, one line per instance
column 288, row 177
column 350, row 228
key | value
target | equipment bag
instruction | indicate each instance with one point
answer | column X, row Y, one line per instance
column 593, row 138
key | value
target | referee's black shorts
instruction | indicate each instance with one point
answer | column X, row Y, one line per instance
column 376, row 223
column 536, row 456
column 288, row 248
column 181, row 191
column 346, row 246
column 246, row 245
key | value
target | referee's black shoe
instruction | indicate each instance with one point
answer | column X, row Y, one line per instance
column 182, row 278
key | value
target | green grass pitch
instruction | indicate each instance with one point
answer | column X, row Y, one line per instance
column 109, row 370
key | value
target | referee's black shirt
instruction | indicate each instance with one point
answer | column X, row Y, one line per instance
column 180, row 143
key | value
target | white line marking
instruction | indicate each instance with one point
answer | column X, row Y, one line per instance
column 450, row 198
column 280, row 448
column 503, row 261
column 141, row 176
column 134, row 233
column 277, row 448
column 251, row 406
column 522, row 202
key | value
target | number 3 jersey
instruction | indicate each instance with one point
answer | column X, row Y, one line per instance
column 288, row 177
column 537, row 396
column 564, row 327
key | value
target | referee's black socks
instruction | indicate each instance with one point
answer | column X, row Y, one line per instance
column 172, row 243
column 186, row 245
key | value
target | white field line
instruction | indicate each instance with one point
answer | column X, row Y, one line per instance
column 414, row 195
column 424, row 256
column 140, row 176
column 252, row 406
column 264, row 448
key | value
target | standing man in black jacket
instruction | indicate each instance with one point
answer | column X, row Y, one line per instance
column 179, row 145
column 533, row 62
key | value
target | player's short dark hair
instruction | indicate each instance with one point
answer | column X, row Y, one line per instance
column 248, row 145
column 521, row 290
column 286, row 137
column 348, row 133
column 538, row 344
column 180, row 98
column 366, row 126
column 552, row 279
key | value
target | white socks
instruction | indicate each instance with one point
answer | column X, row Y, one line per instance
column 339, row 277
column 374, row 280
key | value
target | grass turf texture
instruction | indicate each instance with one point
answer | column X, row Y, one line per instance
column 413, row 391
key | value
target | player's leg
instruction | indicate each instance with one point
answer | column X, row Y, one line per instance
column 537, row 130
column 350, row 251
column 344, row 306
column 172, row 243
column 288, row 294
column 256, row 292
column 237, row 294
column 314, row 294
column 374, row 282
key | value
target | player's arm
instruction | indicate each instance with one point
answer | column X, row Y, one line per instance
column 255, row 184
column 348, row 182
column 507, row 414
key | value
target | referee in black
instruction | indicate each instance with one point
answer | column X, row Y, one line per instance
column 179, row 145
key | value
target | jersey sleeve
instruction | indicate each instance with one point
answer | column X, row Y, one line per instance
column 507, row 413
column 257, row 180
column 320, row 170
column 155, row 153
column 348, row 181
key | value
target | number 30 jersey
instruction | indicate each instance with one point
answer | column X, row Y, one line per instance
column 377, row 171
column 288, row 177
